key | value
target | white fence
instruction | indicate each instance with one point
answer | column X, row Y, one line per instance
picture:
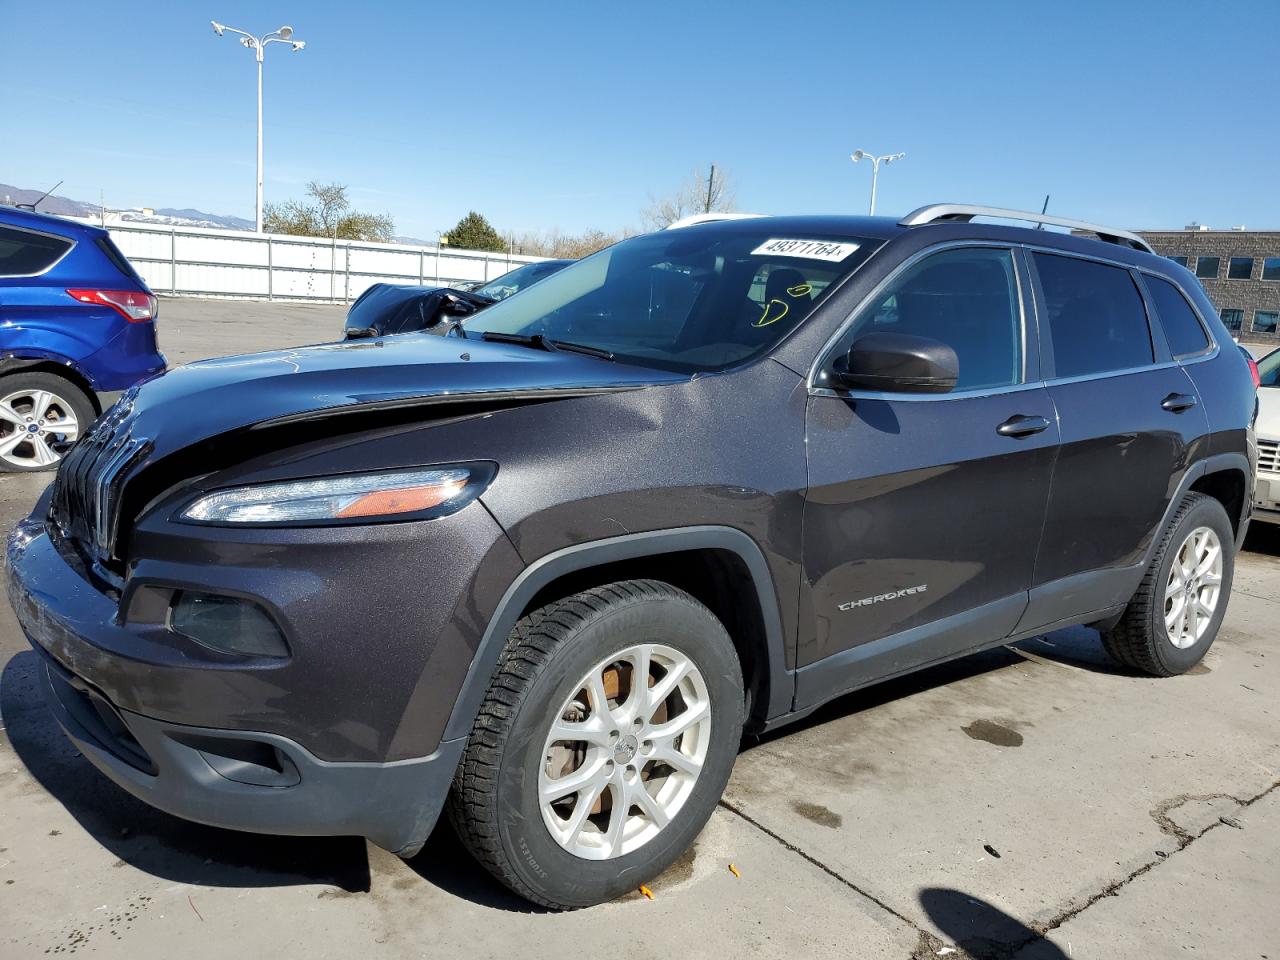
column 192, row 261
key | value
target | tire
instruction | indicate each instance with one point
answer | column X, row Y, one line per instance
column 25, row 400
column 550, row 657
column 1142, row 639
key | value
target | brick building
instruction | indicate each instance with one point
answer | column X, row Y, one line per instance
column 1240, row 271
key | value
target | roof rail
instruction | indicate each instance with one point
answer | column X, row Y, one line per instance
column 965, row 212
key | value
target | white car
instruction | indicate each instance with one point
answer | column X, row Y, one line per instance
column 1266, row 490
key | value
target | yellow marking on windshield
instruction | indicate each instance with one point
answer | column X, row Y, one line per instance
column 799, row 290
column 769, row 317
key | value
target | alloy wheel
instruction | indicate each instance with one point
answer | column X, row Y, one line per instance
column 624, row 752
column 30, row 422
column 1194, row 586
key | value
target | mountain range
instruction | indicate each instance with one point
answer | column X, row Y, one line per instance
column 67, row 207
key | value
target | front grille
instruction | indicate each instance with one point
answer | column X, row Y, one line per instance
column 86, row 494
column 1268, row 456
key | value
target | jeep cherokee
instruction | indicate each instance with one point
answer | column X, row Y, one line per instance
column 546, row 568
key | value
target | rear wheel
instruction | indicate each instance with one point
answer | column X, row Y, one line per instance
column 603, row 745
column 1174, row 617
column 40, row 415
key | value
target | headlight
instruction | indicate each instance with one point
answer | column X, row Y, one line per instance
column 351, row 498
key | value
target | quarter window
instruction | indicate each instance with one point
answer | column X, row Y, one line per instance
column 1207, row 267
column 1271, row 268
column 1097, row 320
column 1240, row 268
column 1265, row 321
column 23, row 253
column 968, row 299
column 1233, row 319
column 1181, row 326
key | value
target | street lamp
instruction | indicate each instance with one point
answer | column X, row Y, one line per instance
column 258, row 45
column 875, row 169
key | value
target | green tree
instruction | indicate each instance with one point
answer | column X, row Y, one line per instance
column 474, row 232
column 329, row 215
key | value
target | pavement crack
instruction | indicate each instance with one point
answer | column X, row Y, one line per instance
column 1184, row 839
column 927, row 940
column 1255, row 596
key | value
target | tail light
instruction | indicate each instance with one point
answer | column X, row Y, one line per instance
column 133, row 305
column 1253, row 372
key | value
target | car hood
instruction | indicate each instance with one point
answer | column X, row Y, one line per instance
column 210, row 397
column 1268, row 425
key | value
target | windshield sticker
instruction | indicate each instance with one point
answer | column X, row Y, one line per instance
column 809, row 249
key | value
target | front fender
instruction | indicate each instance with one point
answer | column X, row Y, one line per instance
column 629, row 547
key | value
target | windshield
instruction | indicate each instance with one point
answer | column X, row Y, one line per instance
column 699, row 299
column 517, row 279
column 1269, row 369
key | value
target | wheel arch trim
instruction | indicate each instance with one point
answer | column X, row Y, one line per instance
column 1217, row 463
column 582, row 556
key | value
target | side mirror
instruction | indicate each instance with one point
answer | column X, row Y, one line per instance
column 898, row 363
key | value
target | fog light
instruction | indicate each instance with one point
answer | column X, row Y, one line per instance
column 226, row 624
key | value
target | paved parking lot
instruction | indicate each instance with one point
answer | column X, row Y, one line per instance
column 1029, row 802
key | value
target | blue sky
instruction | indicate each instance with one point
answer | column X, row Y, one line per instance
column 569, row 115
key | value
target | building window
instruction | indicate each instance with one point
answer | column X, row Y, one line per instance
column 1265, row 321
column 1234, row 319
column 1180, row 261
column 1240, row 268
column 1271, row 268
column 1207, row 267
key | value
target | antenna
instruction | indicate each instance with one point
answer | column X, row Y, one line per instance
column 1043, row 210
column 32, row 206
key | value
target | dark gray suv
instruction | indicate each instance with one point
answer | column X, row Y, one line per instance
column 546, row 567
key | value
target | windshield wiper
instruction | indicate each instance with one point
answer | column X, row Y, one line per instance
column 544, row 343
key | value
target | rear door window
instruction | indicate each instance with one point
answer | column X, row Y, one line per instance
column 1097, row 320
column 1181, row 326
column 24, row 253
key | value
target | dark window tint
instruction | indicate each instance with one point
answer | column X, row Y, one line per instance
column 1181, row 327
column 1239, row 268
column 1097, row 321
column 1271, row 268
column 113, row 254
column 1180, row 261
column 1233, row 319
column 23, row 253
column 1269, row 369
column 1207, row 267
column 968, row 299
column 1264, row 321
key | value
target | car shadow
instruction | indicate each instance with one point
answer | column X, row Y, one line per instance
column 1263, row 538
column 149, row 839
column 984, row 931
column 1075, row 647
column 445, row 863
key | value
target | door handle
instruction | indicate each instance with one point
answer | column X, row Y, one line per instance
column 1177, row 402
column 1021, row 426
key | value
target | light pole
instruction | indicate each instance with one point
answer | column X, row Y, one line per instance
column 258, row 45
column 875, row 169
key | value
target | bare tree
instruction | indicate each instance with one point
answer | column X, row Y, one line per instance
column 701, row 192
column 329, row 216
column 571, row 246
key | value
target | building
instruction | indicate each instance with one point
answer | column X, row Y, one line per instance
column 1240, row 271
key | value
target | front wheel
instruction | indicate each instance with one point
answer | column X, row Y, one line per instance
column 603, row 745
column 1174, row 617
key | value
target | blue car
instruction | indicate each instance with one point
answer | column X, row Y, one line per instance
column 76, row 320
